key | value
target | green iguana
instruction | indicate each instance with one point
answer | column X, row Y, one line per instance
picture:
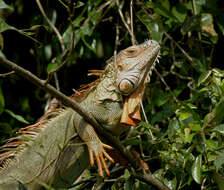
column 52, row 151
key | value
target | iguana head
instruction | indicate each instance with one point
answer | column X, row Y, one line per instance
column 133, row 68
column 134, row 64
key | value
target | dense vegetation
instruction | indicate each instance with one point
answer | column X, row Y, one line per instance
column 182, row 137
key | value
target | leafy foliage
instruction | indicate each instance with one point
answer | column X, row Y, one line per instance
column 183, row 103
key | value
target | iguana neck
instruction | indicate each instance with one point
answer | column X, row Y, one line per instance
column 106, row 89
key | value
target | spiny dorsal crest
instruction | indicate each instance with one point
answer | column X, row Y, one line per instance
column 15, row 145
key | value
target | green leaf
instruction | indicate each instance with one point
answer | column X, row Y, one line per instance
column 218, row 72
column 1, row 54
column 206, row 19
column 173, row 127
column 162, row 7
column 17, row 117
column 220, row 161
column 3, row 5
column 211, row 144
column 199, row 4
column 48, row 51
column 220, row 23
column 207, row 24
column 153, row 26
column 132, row 141
column 51, row 66
column 196, row 169
column 2, row 101
column 4, row 26
column 195, row 127
column 159, row 174
column 148, row 126
column 179, row 12
column 204, row 76
column 94, row 16
column 1, row 41
column 219, row 128
column 219, row 111
column 184, row 115
column 162, row 98
column 78, row 4
column 5, row 128
column 126, row 174
column 191, row 24
column 219, row 179
column 90, row 46
column 171, row 183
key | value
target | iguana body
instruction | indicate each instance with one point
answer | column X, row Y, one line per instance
column 54, row 154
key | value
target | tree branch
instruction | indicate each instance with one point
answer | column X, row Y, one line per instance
column 146, row 177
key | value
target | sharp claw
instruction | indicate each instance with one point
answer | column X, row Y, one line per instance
column 91, row 159
column 108, row 157
column 100, row 170
column 107, row 146
column 104, row 165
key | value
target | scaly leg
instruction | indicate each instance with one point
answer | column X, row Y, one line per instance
column 95, row 147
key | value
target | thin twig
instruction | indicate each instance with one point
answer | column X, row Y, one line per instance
column 60, row 39
column 191, row 80
column 173, row 65
column 203, row 187
column 147, row 177
column 98, row 10
column 125, row 23
column 56, row 81
column 132, row 25
column 50, row 74
column 53, row 72
column 116, row 42
column 7, row 74
column 71, row 14
column 146, row 120
column 181, row 49
column 179, row 75
column 164, row 82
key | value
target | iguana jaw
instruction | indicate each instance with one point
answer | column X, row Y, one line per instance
column 133, row 81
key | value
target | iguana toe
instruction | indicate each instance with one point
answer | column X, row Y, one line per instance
column 98, row 151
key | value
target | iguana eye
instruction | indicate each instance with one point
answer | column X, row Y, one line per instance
column 131, row 51
column 119, row 67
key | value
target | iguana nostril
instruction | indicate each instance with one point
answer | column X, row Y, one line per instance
column 126, row 86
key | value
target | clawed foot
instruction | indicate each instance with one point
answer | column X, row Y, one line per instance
column 97, row 150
